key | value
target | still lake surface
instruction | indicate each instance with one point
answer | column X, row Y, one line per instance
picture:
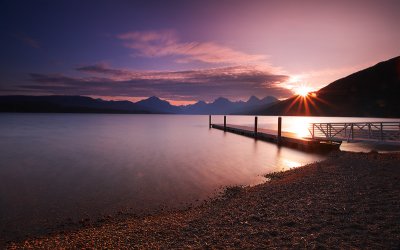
column 60, row 167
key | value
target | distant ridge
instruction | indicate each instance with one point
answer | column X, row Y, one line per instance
column 66, row 104
column 156, row 105
column 372, row 92
column 224, row 106
column 151, row 105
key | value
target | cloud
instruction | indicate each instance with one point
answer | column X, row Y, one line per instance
column 236, row 82
column 166, row 43
column 101, row 68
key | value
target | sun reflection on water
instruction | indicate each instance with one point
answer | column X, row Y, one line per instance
column 300, row 127
column 289, row 164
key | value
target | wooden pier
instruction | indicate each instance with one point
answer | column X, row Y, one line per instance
column 279, row 137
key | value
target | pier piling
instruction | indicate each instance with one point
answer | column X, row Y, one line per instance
column 224, row 122
column 279, row 138
column 255, row 126
column 209, row 121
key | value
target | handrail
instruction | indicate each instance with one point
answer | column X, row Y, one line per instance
column 350, row 131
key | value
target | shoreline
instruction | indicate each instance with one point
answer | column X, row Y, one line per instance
column 349, row 200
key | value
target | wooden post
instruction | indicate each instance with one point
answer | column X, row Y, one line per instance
column 209, row 121
column 255, row 126
column 224, row 122
column 381, row 131
column 279, row 130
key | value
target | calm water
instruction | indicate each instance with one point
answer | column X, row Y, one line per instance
column 59, row 166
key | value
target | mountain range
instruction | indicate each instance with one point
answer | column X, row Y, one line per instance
column 151, row 105
column 225, row 106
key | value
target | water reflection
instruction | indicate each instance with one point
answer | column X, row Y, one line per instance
column 300, row 127
column 289, row 164
column 59, row 166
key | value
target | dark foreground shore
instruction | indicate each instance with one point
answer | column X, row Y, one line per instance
column 350, row 200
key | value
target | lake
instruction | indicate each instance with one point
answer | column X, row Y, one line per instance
column 63, row 167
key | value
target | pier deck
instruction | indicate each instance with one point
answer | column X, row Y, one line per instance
column 286, row 139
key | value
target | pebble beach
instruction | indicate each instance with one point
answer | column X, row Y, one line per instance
column 350, row 200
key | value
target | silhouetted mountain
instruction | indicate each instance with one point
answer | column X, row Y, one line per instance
column 372, row 92
column 66, row 104
column 224, row 106
column 199, row 107
column 268, row 100
column 254, row 104
column 219, row 106
column 156, row 105
column 253, row 100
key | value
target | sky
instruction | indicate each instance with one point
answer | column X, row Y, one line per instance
column 189, row 50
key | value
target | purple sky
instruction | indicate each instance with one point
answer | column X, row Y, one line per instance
column 185, row 51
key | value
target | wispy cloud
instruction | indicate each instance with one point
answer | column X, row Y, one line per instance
column 236, row 82
column 167, row 43
column 102, row 68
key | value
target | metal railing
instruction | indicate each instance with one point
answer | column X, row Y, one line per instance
column 372, row 131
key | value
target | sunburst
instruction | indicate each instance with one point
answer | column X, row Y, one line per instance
column 302, row 91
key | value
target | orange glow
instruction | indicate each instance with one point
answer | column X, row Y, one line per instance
column 178, row 103
column 119, row 98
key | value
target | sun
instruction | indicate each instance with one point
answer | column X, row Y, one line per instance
column 302, row 91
